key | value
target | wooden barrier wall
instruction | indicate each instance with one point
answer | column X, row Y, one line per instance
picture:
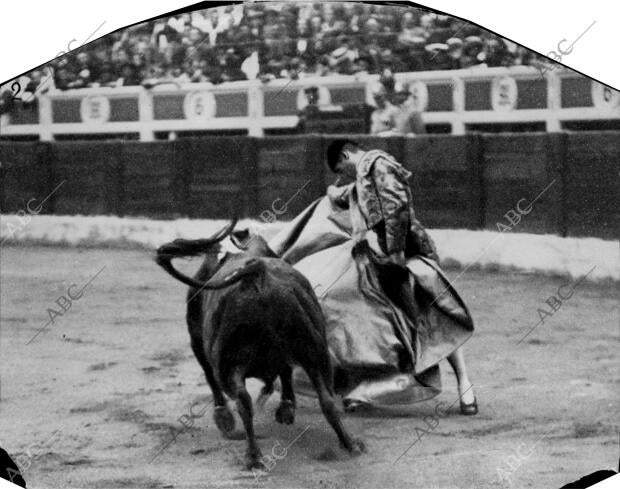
column 473, row 181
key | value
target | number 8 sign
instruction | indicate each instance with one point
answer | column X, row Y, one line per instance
column 504, row 93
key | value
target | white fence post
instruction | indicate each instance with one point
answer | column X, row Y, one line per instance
column 553, row 101
column 145, row 110
column 256, row 108
column 45, row 118
column 458, row 93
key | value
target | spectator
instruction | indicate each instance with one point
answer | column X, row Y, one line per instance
column 323, row 67
column 455, row 52
column 473, row 52
column 383, row 118
column 408, row 121
column 130, row 75
column 438, row 58
column 342, row 58
column 354, row 38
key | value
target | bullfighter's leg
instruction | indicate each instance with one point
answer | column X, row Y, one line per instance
column 328, row 406
column 244, row 406
column 467, row 398
column 224, row 419
column 286, row 411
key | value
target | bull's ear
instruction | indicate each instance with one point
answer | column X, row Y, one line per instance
column 240, row 238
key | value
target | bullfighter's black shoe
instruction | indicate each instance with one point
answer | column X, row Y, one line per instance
column 469, row 409
column 353, row 405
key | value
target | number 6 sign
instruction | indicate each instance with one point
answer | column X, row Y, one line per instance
column 199, row 105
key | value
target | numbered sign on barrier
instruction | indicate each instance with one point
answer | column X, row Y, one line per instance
column 604, row 97
column 504, row 94
column 199, row 105
column 95, row 109
column 419, row 96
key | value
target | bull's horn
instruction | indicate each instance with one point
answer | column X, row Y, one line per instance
column 225, row 231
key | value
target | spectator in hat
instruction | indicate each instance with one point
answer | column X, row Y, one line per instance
column 408, row 121
column 362, row 66
column 383, row 118
column 323, row 67
column 473, row 52
column 438, row 58
column 411, row 32
column 455, row 51
column 342, row 58
column 496, row 53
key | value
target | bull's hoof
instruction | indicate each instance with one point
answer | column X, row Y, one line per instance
column 285, row 414
column 224, row 419
column 357, row 447
column 252, row 460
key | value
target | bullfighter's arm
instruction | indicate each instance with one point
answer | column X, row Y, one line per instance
column 393, row 200
column 423, row 243
column 339, row 196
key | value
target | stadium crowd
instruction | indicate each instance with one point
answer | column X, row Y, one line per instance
column 281, row 40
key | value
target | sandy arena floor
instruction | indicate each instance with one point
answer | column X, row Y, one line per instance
column 95, row 400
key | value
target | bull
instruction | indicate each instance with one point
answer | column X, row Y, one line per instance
column 250, row 314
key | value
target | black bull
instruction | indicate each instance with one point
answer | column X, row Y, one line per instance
column 251, row 314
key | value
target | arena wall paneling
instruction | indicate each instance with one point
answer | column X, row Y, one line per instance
column 532, row 94
column 517, row 169
column 472, row 181
column 575, row 92
column 593, row 199
column 89, row 171
column 167, row 107
column 288, row 170
column 443, row 181
column 25, row 173
column 154, row 179
column 282, row 101
column 66, row 110
column 25, row 113
column 217, row 176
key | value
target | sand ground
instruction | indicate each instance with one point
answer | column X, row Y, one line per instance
column 95, row 401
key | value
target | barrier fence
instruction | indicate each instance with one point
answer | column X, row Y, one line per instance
column 472, row 181
column 460, row 100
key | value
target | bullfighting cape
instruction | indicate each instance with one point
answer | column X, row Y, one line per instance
column 380, row 355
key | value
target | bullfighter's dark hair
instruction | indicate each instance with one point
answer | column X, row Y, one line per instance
column 335, row 149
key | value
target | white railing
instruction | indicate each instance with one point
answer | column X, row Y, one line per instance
column 201, row 110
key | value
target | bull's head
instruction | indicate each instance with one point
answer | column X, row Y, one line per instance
column 180, row 248
column 252, row 245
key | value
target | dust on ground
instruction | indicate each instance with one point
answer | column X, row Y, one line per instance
column 109, row 395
